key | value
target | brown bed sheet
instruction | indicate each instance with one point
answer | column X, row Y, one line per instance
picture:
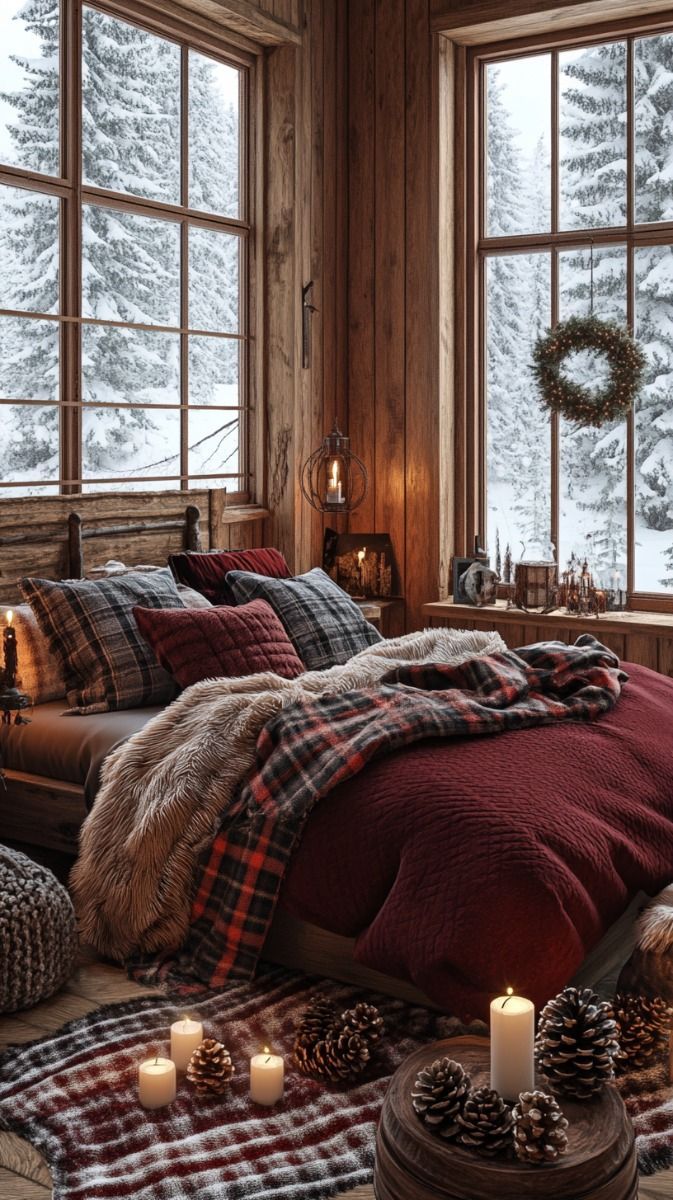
column 71, row 748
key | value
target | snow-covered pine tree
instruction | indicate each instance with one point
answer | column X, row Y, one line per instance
column 29, row 261
column 517, row 301
column 593, row 179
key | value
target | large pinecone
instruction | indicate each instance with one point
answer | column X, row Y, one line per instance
column 335, row 1047
column 439, row 1096
column 210, row 1068
column 365, row 1020
column 643, row 1029
column 486, row 1123
column 539, row 1128
column 577, row 1043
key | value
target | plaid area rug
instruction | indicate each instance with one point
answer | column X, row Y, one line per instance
column 74, row 1096
column 648, row 1096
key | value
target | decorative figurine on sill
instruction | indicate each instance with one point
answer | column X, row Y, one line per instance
column 480, row 584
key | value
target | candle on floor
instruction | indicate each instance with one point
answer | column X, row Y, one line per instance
column 267, row 1073
column 186, row 1035
column 512, row 1045
column 156, row 1082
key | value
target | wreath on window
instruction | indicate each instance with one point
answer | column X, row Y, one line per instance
column 582, row 405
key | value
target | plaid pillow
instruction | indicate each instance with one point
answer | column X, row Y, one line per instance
column 90, row 627
column 324, row 624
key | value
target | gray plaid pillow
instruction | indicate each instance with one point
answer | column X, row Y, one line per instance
column 90, row 627
column 325, row 626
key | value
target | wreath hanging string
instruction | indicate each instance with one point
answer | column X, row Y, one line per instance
column 582, row 405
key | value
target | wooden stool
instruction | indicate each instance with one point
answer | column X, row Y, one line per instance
column 412, row 1164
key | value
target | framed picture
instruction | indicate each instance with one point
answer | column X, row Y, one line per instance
column 460, row 566
column 363, row 564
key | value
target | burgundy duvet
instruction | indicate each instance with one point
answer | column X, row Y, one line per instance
column 473, row 864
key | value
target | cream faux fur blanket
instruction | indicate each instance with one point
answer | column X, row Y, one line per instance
column 164, row 791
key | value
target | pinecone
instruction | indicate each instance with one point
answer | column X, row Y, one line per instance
column 333, row 1047
column 210, row 1068
column 577, row 1043
column 319, row 1019
column 344, row 1056
column 486, row 1124
column 643, row 1029
column 439, row 1096
column 366, row 1020
column 539, row 1128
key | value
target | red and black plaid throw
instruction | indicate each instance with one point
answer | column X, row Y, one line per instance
column 312, row 746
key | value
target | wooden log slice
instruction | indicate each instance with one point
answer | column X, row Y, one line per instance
column 412, row 1164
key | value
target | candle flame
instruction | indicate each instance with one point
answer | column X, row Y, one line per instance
column 510, row 993
column 9, row 615
column 361, row 555
column 267, row 1050
column 335, row 473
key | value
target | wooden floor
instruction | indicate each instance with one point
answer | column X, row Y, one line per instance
column 23, row 1173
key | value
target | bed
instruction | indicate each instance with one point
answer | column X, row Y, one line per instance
column 367, row 897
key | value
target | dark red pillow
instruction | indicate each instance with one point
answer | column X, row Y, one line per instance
column 208, row 643
column 206, row 573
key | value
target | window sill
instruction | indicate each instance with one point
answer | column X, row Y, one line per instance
column 614, row 622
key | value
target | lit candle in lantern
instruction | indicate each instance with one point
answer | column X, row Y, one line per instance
column 361, row 569
column 186, row 1035
column 267, row 1075
column 9, row 651
column 334, row 493
column 512, row 1045
column 156, row 1082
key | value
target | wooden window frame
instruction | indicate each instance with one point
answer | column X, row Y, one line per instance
column 473, row 248
column 212, row 41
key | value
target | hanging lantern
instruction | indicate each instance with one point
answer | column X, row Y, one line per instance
column 334, row 479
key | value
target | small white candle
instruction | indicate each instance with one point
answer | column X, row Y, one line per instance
column 267, row 1074
column 186, row 1035
column 512, row 1045
column 156, row 1082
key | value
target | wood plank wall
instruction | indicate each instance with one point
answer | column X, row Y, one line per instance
column 393, row 411
column 305, row 164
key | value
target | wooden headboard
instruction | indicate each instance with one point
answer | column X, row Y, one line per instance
column 38, row 536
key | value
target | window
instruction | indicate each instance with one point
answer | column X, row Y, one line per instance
column 125, row 254
column 574, row 199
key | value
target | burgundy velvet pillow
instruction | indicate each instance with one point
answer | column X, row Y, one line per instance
column 206, row 573
column 209, row 643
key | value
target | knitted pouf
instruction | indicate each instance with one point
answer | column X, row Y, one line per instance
column 38, row 941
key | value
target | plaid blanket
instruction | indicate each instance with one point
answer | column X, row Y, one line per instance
column 312, row 746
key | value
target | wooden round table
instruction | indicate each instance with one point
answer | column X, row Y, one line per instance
column 412, row 1164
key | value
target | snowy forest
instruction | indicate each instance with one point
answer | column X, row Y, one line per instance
column 592, row 171
column 130, row 263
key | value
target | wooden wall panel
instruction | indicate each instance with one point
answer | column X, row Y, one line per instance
column 305, row 235
column 390, row 264
column 361, row 247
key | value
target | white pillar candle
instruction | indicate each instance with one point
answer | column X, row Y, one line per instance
column 267, row 1073
column 186, row 1035
column 156, row 1082
column 512, row 1045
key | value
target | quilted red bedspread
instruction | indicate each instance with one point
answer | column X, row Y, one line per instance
column 473, row 864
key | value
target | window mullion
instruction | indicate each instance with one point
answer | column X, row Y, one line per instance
column 630, row 316
column 71, row 269
column 184, row 268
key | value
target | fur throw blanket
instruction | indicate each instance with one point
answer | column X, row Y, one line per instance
column 163, row 792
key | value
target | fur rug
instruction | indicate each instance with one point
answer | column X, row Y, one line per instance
column 164, row 790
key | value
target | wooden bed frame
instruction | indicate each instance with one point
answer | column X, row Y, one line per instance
column 47, row 537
